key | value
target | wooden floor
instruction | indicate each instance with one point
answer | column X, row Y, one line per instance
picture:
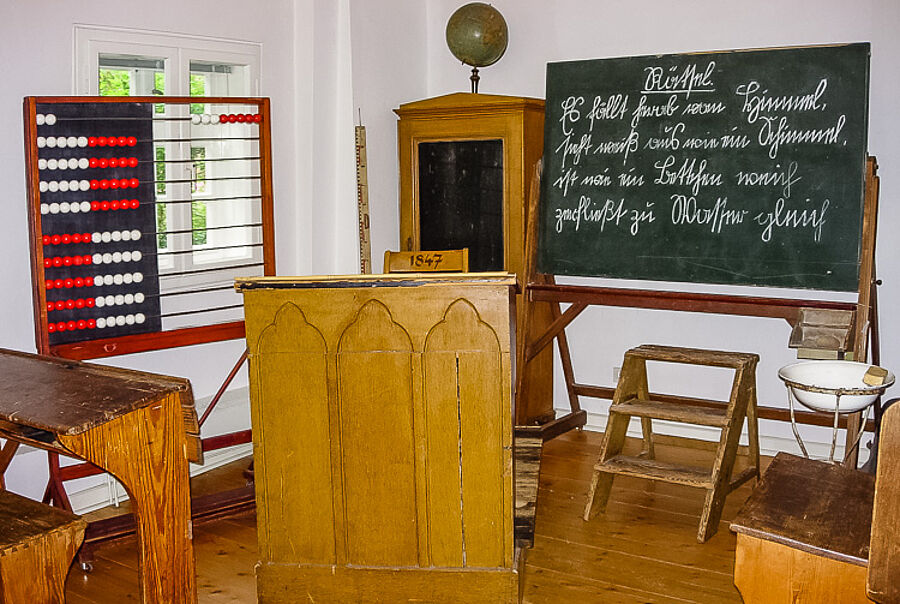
column 643, row 550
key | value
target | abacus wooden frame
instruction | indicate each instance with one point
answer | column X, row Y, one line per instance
column 156, row 340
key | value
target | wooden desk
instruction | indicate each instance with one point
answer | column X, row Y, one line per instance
column 803, row 536
column 132, row 425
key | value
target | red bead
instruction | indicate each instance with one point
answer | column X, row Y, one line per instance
column 87, row 259
column 122, row 140
column 69, row 283
column 134, row 183
column 132, row 162
column 104, row 205
column 104, row 184
column 114, row 204
column 95, row 184
column 92, row 141
column 60, row 305
column 59, row 284
column 95, row 205
column 71, row 325
column 101, row 140
column 79, row 282
column 48, row 262
column 223, row 119
column 135, row 204
column 51, row 306
column 76, row 238
column 86, row 237
column 48, row 284
column 67, row 239
column 89, row 302
column 91, row 323
column 77, row 260
column 132, row 141
column 88, row 281
column 46, row 239
column 57, row 261
column 103, row 163
column 112, row 141
column 240, row 118
column 51, row 327
column 81, row 324
column 125, row 183
column 113, row 162
column 257, row 118
column 61, row 326
column 67, row 261
column 70, row 303
column 113, row 184
column 56, row 239
column 93, row 162
column 79, row 303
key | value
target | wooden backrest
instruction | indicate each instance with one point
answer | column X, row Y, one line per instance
column 883, row 584
column 433, row 261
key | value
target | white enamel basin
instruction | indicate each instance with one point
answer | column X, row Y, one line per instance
column 816, row 384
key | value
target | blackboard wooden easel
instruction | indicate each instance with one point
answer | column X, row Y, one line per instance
column 542, row 289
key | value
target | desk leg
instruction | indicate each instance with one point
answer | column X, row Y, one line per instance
column 145, row 450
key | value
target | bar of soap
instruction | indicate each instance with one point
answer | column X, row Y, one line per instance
column 875, row 376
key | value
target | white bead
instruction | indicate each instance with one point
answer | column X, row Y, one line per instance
column 49, row 119
column 61, row 142
column 39, row 118
column 110, row 300
column 129, row 298
column 119, row 279
column 120, row 320
column 45, row 208
column 54, row 208
column 84, row 163
column 52, row 163
column 85, row 185
column 101, row 323
column 41, row 142
column 138, row 277
column 139, row 297
column 120, row 300
column 106, row 237
column 53, row 185
column 108, row 280
column 135, row 235
column 139, row 318
column 85, row 205
column 82, row 141
column 127, row 278
column 116, row 235
column 72, row 141
column 126, row 256
column 95, row 238
column 116, row 257
column 51, row 142
column 99, row 301
column 204, row 118
column 42, row 164
column 43, row 186
column 73, row 185
column 214, row 118
column 111, row 321
column 125, row 235
column 136, row 256
column 107, row 258
column 195, row 118
column 75, row 207
column 129, row 319
column 64, row 186
column 64, row 206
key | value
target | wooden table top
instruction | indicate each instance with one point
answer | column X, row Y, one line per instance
column 69, row 397
column 814, row 506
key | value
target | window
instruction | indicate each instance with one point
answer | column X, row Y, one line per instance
column 196, row 192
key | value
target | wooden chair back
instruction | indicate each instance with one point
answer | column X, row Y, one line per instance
column 431, row 261
column 884, row 547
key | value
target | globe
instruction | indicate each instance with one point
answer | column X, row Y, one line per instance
column 477, row 34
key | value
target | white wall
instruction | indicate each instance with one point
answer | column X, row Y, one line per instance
column 542, row 31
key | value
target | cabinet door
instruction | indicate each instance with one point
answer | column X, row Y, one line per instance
column 461, row 199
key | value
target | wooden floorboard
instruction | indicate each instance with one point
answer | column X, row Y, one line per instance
column 642, row 550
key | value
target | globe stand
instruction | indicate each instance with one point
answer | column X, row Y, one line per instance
column 475, row 78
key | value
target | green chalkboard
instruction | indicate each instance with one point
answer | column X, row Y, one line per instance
column 741, row 167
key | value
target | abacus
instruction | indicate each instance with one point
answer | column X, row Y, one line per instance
column 143, row 210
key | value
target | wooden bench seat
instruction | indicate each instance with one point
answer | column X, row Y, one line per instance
column 37, row 545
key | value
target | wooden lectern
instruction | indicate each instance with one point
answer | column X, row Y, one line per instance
column 382, row 432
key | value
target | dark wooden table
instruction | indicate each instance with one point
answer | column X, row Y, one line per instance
column 132, row 425
column 804, row 533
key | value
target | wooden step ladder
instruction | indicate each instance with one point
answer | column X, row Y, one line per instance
column 632, row 398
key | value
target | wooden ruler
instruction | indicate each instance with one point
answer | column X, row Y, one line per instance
column 362, row 200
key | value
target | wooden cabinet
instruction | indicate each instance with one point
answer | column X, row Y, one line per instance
column 382, row 432
column 466, row 166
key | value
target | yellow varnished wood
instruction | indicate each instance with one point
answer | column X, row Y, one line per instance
column 405, row 389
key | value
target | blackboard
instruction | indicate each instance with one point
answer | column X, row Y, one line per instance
column 740, row 167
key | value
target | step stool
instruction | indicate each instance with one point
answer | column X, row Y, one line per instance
column 632, row 399
column 37, row 545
